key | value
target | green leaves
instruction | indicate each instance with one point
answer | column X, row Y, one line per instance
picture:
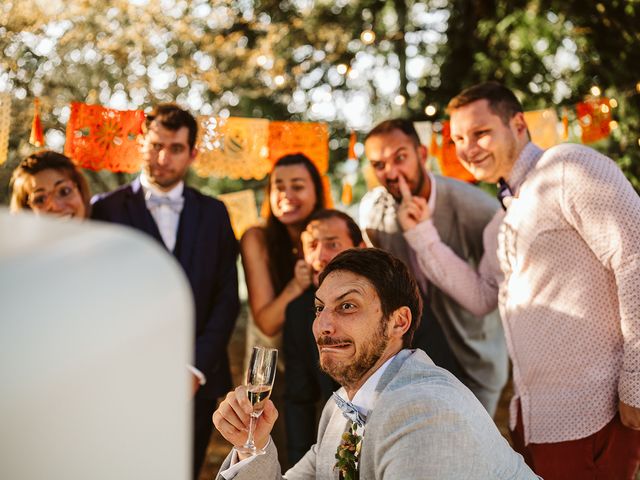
column 348, row 453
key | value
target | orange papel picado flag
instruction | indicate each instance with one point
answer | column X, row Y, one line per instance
column 450, row 166
column 347, row 188
column 565, row 124
column 594, row 117
column 99, row 137
column 37, row 134
column 233, row 147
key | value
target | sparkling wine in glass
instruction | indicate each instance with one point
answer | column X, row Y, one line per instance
column 260, row 376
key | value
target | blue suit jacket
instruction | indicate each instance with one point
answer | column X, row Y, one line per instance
column 207, row 249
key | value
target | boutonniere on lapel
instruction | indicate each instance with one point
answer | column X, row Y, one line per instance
column 348, row 451
column 348, row 454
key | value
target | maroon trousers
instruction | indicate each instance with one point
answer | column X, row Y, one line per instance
column 611, row 453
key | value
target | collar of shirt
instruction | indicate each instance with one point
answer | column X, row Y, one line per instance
column 431, row 201
column 366, row 396
column 149, row 189
column 528, row 158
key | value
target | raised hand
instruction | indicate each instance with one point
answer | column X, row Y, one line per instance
column 303, row 274
column 412, row 210
column 233, row 415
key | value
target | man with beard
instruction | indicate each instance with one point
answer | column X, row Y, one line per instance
column 397, row 415
column 468, row 343
column 196, row 229
column 307, row 388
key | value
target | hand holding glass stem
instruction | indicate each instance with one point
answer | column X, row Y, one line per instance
column 259, row 381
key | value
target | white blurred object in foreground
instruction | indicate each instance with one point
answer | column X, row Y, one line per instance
column 95, row 335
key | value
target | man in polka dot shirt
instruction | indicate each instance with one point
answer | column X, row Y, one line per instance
column 569, row 293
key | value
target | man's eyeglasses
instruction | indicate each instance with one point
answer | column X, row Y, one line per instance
column 39, row 200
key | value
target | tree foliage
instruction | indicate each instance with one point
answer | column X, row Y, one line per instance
column 310, row 60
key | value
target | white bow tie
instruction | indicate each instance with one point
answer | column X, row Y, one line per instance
column 159, row 200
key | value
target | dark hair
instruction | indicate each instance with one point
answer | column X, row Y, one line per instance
column 390, row 277
column 354, row 231
column 279, row 244
column 172, row 117
column 402, row 124
column 502, row 101
column 38, row 162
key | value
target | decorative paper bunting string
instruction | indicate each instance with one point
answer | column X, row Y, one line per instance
column 347, row 186
column 326, row 185
column 312, row 139
column 37, row 133
column 351, row 155
column 450, row 166
column 543, row 127
column 594, row 117
column 370, row 178
column 99, row 137
column 434, row 149
column 565, row 124
column 242, row 210
column 424, row 131
column 347, row 194
column 234, row 147
column 5, row 124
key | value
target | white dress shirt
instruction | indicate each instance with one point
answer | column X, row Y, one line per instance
column 166, row 218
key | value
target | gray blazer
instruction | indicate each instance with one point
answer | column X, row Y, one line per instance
column 425, row 425
column 461, row 213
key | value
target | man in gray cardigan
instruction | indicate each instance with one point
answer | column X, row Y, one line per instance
column 470, row 346
column 404, row 417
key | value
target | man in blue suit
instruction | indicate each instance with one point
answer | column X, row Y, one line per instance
column 196, row 229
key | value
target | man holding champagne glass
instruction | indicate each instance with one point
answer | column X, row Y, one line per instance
column 393, row 403
column 261, row 373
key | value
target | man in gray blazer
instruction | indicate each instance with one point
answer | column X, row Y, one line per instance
column 397, row 415
column 472, row 347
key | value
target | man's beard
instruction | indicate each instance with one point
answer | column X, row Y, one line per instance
column 350, row 374
column 414, row 191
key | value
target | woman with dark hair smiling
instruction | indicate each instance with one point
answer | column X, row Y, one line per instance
column 49, row 183
column 271, row 253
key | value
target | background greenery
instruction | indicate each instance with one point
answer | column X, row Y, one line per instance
column 309, row 60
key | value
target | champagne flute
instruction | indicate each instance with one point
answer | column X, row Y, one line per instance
column 260, row 376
